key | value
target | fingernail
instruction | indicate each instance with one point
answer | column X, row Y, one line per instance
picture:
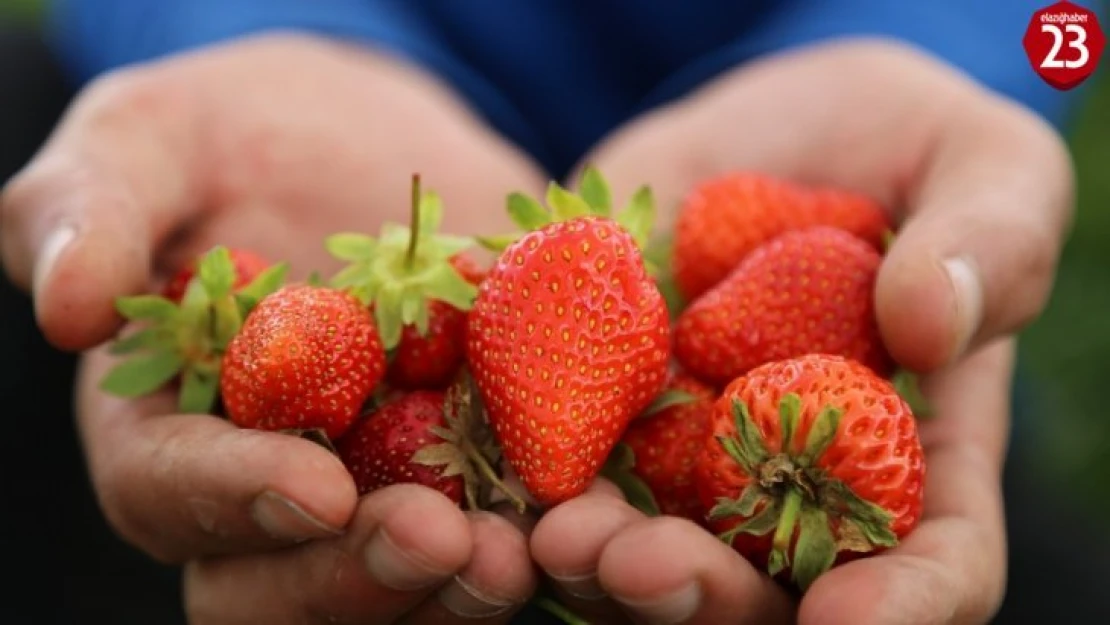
column 968, row 291
column 397, row 569
column 52, row 247
column 463, row 599
column 585, row 587
column 672, row 609
column 281, row 518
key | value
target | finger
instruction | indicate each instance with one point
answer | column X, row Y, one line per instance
column 185, row 486
column 568, row 542
column 977, row 256
column 405, row 543
column 669, row 570
column 79, row 222
column 952, row 568
column 494, row 585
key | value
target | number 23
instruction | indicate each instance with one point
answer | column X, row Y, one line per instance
column 1079, row 43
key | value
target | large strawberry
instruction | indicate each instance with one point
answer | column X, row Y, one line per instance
column 307, row 358
column 419, row 288
column 725, row 217
column 811, row 461
column 183, row 336
column 666, row 446
column 569, row 339
column 804, row 291
column 246, row 264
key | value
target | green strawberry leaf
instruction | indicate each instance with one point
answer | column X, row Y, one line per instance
column 815, row 550
column 315, row 279
column 907, row 385
column 216, row 272
column 199, row 391
column 146, row 308
column 618, row 469
column 387, row 314
column 527, row 213
column 668, row 399
column 142, row 375
column 351, row 246
column 638, row 218
column 142, row 339
column 498, row 242
column 564, row 204
column 821, row 434
column 595, row 191
column 269, row 280
column 446, row 284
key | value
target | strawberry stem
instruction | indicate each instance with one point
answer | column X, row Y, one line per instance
column 483, row 466
column 784, row 532
column 558, row 610
column 414, row 235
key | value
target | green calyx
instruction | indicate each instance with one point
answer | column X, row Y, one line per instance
column 618, row 469
column 791, row 495
column 468, row 447
column 907, row 385
column 594, row 197
column 404, row 268
column 190, row 338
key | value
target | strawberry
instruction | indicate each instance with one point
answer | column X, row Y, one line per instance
column 724, row 218
column 568, row 339
column 247, row 266
column 804, row 291
column 307, row 358
column 666, row 446
column 182, row 338
column 419, row 288
column 811, row 461
column 430, row 360
column 381, row 449
column 428, row 437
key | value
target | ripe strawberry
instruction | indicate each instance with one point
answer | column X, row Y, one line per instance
column 247, row 266
column 811, row 461
column 568, row 339
column 804, row 291
column 431, row 360
column 307, row 358
column 382, row 449
column 419, row 287
column 726, row 217
column 666, row 446
column 184, row 335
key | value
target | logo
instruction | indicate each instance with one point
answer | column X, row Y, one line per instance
column 1064, row 42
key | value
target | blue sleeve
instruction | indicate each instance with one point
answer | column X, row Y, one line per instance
column 95, row 36
column 983, row 38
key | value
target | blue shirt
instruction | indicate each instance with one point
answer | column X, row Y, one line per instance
column 555, row 76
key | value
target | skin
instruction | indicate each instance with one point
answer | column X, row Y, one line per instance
column 161, row 161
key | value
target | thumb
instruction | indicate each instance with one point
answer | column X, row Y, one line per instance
column 977, row 255
column 79, row 223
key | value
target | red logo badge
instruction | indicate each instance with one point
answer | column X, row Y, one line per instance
column 1064, row 42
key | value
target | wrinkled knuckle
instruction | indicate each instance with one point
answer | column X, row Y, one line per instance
column 127, row 94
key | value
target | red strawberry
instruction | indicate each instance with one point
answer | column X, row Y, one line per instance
column 568, row 339
column 419, row 287
column 666, row 446
column 247, row 267
column 185, row 331
column 382, row 449
column 431, row 360
column 811, row 461
column 726, row 217
column 307, row 358
column 804, row 291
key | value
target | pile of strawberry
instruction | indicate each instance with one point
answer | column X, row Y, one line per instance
column 756, row 399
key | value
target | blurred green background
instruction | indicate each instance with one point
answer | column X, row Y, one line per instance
column 1067, row 349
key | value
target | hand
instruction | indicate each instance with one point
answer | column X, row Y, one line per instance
column 983, row 190
column 270, row 144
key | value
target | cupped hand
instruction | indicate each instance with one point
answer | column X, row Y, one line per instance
column 982, row 192
column 269, row 144
column 611, row 564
